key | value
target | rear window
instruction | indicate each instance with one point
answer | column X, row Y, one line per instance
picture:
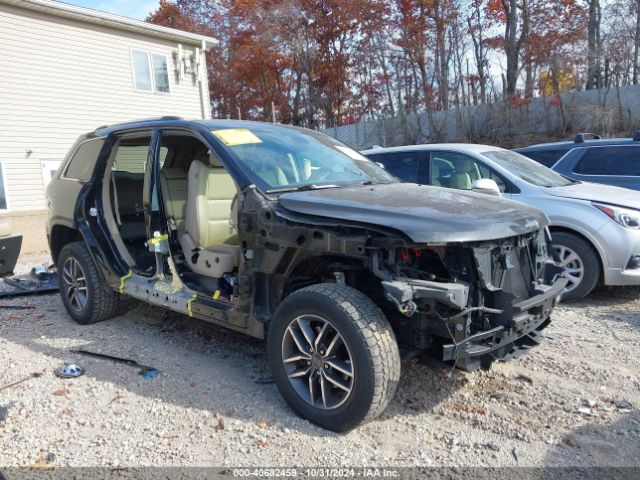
column 610, row 161
column 546, row 157
column 84, row 160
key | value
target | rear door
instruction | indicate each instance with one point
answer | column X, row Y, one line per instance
column 410, row 166
column 611, row 165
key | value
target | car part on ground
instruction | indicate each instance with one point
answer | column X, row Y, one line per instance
column 29, row 284
column 69, row 369
column 260, row 227
column 145, row 371
column 605, row 218
column 10, row 246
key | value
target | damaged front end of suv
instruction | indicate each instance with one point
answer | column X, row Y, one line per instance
column 470, row 282
column 473, row 303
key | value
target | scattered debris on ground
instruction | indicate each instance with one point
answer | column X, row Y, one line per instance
column 145, row 371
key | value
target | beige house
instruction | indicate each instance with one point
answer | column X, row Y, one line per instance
column 66, row 70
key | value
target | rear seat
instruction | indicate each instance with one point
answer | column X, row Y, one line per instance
column 129, row 187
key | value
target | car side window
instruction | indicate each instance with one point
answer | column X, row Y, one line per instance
column 404, row 165
column 457, row 170
column 545, row 157
column 84, row 159
column 610, row 161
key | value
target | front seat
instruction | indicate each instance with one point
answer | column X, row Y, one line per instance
column 461, row 181
column 435, row 174
column 459, row 178
column 208, row 244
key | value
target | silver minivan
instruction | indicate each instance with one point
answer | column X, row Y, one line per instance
column 595, row 228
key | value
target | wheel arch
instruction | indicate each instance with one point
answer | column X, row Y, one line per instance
column 589, row 241
column 302, row 270
column 60, row 236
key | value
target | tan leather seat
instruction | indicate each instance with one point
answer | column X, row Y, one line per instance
column 174, row 186
column 435, row 174
column 460, row 181
column 208, row 244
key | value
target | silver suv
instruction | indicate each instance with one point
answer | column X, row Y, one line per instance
column 595, row 228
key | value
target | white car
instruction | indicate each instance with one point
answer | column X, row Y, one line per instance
column 595, row 228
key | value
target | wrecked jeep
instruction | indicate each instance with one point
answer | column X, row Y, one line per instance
column 285, row 233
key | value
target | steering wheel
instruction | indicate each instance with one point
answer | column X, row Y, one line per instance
column 319, row 176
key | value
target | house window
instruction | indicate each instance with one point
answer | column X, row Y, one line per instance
column 3, row 190
column 150, row 71
column 160, row 72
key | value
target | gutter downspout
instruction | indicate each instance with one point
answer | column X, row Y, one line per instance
column 205, row 100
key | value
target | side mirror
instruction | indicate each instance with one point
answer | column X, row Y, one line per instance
column 486, row 185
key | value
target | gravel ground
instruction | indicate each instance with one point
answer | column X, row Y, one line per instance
column 572, row 401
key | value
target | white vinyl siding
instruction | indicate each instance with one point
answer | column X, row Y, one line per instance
column 62, row 78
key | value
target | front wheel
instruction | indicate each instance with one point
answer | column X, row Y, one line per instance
column 333, row 356
column 582, row 265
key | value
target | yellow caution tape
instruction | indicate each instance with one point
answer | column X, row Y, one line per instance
column 216, row 294
column 155, row 240
column 122, row 279
column 189, row 302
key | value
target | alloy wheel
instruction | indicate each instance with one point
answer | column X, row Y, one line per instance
column 317, row 362
column 74, row 283
column 574, row 268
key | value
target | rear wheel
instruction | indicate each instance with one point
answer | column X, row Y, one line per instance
column 333, row 356
column 581, row 263
column 84, row 293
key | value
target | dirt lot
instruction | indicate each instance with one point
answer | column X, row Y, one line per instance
column 572, row 401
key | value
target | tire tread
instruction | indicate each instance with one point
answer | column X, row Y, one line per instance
column 107, row 303
column 376, row 332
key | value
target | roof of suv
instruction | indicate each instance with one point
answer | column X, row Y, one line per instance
column 580, row 141
column 473, row 147
column 174, row 121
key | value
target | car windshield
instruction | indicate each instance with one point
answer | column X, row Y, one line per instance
column 527, row 169
column 282, row 158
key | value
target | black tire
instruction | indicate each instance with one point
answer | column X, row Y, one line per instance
column 589, row 259
column 369, row 338
column 102, row 302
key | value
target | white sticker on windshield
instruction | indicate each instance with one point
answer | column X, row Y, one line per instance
column 350, row 152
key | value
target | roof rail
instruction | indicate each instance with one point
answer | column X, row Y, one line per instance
column 165, row 117
column 581, row 137
column 636, row 136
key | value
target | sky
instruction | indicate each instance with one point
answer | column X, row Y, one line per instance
column 138, row 9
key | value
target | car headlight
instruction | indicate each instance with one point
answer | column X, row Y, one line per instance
column 626, row 217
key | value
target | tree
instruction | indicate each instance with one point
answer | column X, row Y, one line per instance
column 594, row 72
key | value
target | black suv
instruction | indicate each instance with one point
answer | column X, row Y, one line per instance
column 271, row 229
column 589, row 158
